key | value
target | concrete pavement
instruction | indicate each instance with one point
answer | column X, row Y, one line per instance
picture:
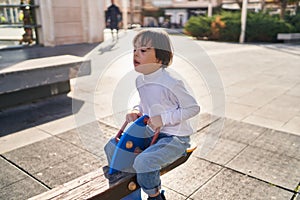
column 252, row 153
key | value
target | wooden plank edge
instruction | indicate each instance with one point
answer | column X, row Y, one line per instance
column 95, row 186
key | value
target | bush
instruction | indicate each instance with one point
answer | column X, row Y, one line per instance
column 262, row 27
column 294, row 20
column 232, row 29
column 198, row 26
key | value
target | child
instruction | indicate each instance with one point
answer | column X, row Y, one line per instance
column 168, row 104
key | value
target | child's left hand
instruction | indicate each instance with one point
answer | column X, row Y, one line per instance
column 155, row 122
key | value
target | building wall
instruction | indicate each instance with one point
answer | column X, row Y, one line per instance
column 70, row 21
column 193, row 4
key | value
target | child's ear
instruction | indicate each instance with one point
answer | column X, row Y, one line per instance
column 158, row 61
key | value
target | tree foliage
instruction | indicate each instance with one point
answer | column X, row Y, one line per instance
column 261, row 27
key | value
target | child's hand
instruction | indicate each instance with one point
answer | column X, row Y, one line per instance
column 155, row 122
column 130, row 117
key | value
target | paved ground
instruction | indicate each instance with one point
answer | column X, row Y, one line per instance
column 251, row 151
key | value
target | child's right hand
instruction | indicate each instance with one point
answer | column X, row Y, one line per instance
column 130, row 117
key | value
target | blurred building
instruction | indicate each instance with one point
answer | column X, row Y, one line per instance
column 175, row 13
column 58, row 22
column 162, row 12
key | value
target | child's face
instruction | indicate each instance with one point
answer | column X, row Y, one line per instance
column 144, row 58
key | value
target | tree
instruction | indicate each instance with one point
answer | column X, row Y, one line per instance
column 284, row 4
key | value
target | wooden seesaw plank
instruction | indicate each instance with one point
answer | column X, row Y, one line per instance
column 95, row 185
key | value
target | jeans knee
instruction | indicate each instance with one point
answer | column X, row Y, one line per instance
column 139, row 164
column 144, row 164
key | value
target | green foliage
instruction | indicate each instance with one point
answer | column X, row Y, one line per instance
column 232, row 29
column 294, row 20
column 198, row 26
column 261, row 27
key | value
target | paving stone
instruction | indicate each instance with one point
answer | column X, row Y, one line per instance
column 116, row 120
column 67, row 123
column 9, row 174
column 92, row 136
column 280, row 142
column 237, row 111
column 277, row 169
column 224, row 151
column 72, row 137
column 205, row 119
column 69, row 169
column 228, row 130
column 21, row 138
column 263, row 121
column 292, row 126
column 171, row 194
column 207, row 137
column 231, row 185
column 38, row 156
column 281, row 114
column 22, row 189
column 259, row 96
column 242, row 132
column 236, row 131
column 198, row 172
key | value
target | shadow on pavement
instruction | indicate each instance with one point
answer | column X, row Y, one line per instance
column 30, row 115
column 107, row 48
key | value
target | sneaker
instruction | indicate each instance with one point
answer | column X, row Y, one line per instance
column 116, row 177
column 161, row 196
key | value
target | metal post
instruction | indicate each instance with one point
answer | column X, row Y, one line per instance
column 125, row 14
column 243, row 21
column 11, row 12
column 209, row 8
column 131, row 11
column 5, row 13
column 142, row 13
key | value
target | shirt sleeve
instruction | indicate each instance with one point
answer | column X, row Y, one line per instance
column 187, row 106
column 138, row 108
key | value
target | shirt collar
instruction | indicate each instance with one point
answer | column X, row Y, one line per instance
column 154, row 75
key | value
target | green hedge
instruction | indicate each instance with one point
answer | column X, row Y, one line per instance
column 232, row 29
column 261, row 27
column 198, row 26
column 294, row 20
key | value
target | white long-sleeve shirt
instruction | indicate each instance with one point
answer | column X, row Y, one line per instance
column 162, row 94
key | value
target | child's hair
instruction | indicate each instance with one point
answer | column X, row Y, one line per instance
column 160, row 41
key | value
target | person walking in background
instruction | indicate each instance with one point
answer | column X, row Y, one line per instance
column 113, row 18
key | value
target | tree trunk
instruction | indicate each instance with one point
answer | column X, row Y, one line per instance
column 263, row 4
column 283, row 4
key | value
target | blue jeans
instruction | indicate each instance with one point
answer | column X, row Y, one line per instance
column 147, row 164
